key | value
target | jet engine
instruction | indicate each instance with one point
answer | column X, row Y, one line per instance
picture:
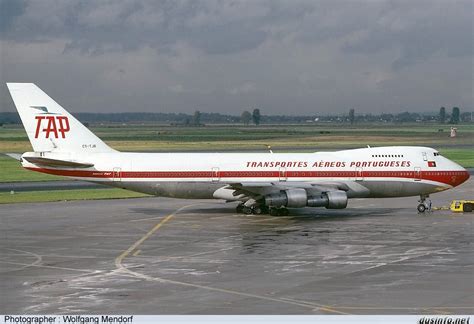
column 288, row 198
column 299, row 198
column 331, row 200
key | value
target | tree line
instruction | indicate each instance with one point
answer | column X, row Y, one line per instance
column 255, row 116
column 443, row 117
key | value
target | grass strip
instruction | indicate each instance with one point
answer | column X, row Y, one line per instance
column 65, row 195
column 12, row 171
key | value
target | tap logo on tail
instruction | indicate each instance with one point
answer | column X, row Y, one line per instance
column 51, row 124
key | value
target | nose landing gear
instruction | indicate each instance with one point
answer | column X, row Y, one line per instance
column 423, row 206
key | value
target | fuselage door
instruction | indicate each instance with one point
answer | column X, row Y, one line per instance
column 359, row 175
column 117, row 174
column 282, row 174
column 417, row 175
column 215, row 175
column 425, row 157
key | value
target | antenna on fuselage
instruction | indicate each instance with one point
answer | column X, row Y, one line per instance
column 368, row 146
column 269, row 147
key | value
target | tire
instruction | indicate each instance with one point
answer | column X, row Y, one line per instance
column 257, row 210
column 467, row 207
column 284, row 212
column 273, row 211
column 421, row 208
column 239, row 208
column 247, row 210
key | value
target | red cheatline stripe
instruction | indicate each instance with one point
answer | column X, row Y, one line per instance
column 447, row 177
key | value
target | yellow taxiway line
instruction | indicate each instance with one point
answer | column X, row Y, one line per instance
column 121, row 268
column 306, row 304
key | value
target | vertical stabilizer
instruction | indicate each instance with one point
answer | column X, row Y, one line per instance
column 50, row 128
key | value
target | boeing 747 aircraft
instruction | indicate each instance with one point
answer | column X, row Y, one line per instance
column 261, row 182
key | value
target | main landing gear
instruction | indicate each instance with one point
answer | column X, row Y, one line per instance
column 261, row 209
column 249, row 210
column 423, row 206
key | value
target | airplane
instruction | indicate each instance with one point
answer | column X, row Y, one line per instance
column 260, row 182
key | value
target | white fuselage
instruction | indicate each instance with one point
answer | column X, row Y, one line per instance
column 368, row 172
column 63, row 146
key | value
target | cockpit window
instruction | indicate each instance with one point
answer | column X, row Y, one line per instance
column 436, row 154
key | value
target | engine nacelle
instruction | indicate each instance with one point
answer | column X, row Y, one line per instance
column 330, row 200
column 296, row 197
column 299, row 198
column 337, row 199
column 288, row 198
column 318, row 201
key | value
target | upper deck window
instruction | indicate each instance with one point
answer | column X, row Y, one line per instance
column 388, row 155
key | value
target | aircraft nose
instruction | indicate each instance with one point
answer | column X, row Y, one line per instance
column 461, row 178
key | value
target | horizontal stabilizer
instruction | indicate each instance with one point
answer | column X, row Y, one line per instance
column 56, row 163
column 16, row 156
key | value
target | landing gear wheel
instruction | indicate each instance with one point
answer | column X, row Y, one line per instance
column 247, row 210
column 284, row 212
column 421, row 208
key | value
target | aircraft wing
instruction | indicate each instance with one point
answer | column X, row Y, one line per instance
column 259, row 189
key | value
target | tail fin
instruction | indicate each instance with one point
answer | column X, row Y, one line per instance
column 50, row 128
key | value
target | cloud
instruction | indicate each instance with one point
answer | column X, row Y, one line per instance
column 244, row 88
column 9, row 11
column 100, row 27
column 419, row 30
column 305, row 56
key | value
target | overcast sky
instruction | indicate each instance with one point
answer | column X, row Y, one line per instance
column 284, row 57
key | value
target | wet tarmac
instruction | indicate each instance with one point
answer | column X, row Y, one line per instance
column 166, row 256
